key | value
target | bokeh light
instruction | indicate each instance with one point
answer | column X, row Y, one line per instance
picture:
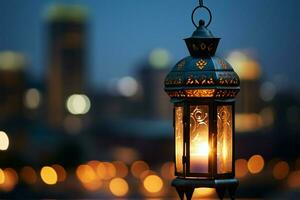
column 281, row 170
column 121, row 169
column 248, row 122
column 241, row 168
column 94, row 185
column 256, row 164
column 118, row 187
column 11, row 61
column 32, row 99
column 294, row 179
column 203, row 192
column 85, row 173
column 159, row 58
column 78, row 104
column 28, row 175
column 94, row 164
column 4, row 141
column 167, row 170
column 267, row 91
column 127, row 86
column 244, row 66
column 125, row 154
column 48, row 175
column 153, row 183
column 88, row 176
column 61, row 172
column 106, row 170
column 2, row 176
column 10, row 180
column 146, row 173
column 138, row 167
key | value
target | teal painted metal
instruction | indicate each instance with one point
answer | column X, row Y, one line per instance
column 202, row 69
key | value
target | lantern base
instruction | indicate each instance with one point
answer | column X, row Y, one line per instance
column 187, row 186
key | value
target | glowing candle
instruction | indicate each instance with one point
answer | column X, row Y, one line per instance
column 199, row 157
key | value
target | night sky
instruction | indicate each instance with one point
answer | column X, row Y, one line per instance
column 122, row 33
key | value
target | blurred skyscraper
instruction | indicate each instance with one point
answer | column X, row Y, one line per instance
column 12, row 86
column 67, row 47
column 152, row 74
column 249, row 103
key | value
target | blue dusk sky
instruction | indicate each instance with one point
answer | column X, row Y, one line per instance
column 121, row 33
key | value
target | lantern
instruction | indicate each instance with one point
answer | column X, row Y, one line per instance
column 202, row 88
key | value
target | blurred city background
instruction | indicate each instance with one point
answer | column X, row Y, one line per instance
column 83, row 113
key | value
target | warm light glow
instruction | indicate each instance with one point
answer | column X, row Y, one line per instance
column 121, row 169
column 146, row 173
column 281, row 170
column 28, row 175
column 138, row 167
column 85, row 173
column 125, row 154
column 248, row 122
column 94, row 185
column 94, row 164
column 202, row 149
column 88, row 176
column 199, row 155
column 118, row 187
column 106, row 170
column 10, row 180
column 179, row 138
column 241, row 169
column 127, row 86
column 153, row 183
column 199, row 147
column 61, row 172
column 32, row 98
column 2, row 176
column 203, row 192
column 294, row 179
column 78, row 104
column 224, row 139
column 244, row 66
column 4, row 141
column 256, row 164
column 167, row 170
column 48, row 175
column 224, row 151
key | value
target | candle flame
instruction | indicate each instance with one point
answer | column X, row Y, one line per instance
column 200, row 149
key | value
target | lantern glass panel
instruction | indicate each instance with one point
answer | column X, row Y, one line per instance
column 199, row 132
column 179, row 138
column 224, row 139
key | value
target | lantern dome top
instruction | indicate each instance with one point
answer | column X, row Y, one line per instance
column 202, row 31
column 202, row 74
column 202, row 43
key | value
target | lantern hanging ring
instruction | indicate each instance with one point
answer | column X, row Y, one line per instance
column 199, row 7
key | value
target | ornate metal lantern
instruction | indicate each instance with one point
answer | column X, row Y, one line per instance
column 203, row 87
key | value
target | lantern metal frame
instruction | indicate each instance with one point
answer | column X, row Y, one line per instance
column 212, row 107
column 203, row 79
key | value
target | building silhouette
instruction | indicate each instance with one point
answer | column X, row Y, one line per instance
column 66, row 61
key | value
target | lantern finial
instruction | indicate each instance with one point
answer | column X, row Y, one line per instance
column 199, row 7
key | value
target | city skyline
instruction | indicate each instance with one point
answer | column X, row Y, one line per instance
column 129, row 31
